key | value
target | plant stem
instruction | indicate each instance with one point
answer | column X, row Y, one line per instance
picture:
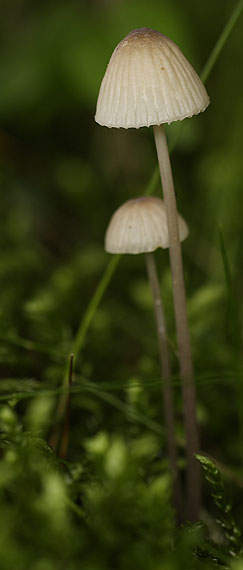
column 63, row 407
column 221, row 41
column 167, row 388
column 182, row 328
column 93, row 304
column 79, row 340
column 66, row 429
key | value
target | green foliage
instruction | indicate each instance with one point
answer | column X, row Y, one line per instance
column 226, row 520
column 108, row 503
column 110, row 508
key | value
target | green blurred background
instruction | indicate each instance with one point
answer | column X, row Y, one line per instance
column 62, row 176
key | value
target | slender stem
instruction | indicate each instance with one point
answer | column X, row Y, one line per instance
column 182, row 328
column 66, row 429
column 63, row 407
column 93, row 304
column 167, row 388
column 79, row 341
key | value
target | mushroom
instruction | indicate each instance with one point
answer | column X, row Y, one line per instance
column 149, row 81
column 140, row 226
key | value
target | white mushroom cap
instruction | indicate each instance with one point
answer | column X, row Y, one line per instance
column 148, row 81
column 140, row 226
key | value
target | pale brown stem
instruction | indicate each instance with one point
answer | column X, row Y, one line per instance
column 182, row 328
column 166, row 378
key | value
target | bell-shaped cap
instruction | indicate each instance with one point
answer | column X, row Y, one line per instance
column 139, row 226
column 148, row 81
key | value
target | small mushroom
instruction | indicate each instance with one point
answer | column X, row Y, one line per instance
column 140, row 226
column 149, row 82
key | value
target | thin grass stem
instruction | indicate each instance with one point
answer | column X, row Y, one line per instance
column 94, row 303
column 66, row 428
column 215, row 53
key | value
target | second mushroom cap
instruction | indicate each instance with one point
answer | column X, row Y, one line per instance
column 139, row 226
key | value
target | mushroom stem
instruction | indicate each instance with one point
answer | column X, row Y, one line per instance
column 182, row 328
column 167, row 387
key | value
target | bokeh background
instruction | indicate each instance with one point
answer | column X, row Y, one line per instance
column 62, row 176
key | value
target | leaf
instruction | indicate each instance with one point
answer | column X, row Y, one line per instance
column 227, row 522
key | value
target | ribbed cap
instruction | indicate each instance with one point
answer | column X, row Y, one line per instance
column 140, row 226
column 148, row 81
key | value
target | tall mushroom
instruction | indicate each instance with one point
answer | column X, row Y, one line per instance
column 140, row 226
column 149, row 82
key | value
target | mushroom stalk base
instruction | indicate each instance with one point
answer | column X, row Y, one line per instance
column 166, row 377
column 182, row 328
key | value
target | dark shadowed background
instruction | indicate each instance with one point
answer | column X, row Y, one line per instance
column 62, row 176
